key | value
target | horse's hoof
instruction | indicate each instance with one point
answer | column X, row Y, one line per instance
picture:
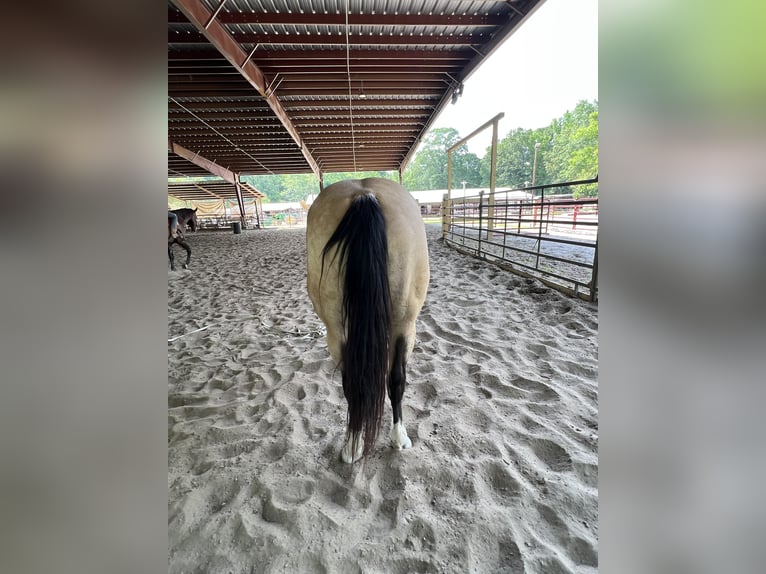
column 186, row 266
column 399, row 438
column 346, row 455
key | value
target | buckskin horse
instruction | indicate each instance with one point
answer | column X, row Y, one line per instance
column 367, row 280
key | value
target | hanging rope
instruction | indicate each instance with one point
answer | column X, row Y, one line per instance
column 235, row 146
column 348, row 74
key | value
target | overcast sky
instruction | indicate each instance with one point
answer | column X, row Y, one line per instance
column 540, row 72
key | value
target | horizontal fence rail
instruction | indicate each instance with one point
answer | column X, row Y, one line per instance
column 549, row 236
column 223, row 221
column 280, row 219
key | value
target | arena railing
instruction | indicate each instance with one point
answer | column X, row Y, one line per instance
column 549, row 236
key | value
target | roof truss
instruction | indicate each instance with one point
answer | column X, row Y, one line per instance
column 296, row 90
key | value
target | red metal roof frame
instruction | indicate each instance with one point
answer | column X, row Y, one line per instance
column 325, row 86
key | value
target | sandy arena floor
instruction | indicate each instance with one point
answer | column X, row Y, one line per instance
column 501, row 407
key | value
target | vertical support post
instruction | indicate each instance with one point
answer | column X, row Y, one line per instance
column 257, row 216
column 321, row 182
column 492, row 175
column 540, row 228
column 481, row 208
column 449, row 175
column 240, row 202
column 594, row 272
column 548, row 216
column 401, row 180
column 446, row 216
column 505, row 226
column 464, row 228
column 574, row 216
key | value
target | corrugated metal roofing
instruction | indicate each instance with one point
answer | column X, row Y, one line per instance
column 294, row 86
column 211, row 189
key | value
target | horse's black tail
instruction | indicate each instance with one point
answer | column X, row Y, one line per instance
column 361, row 243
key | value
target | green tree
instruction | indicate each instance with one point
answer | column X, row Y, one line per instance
column 428, row 170
column 270, row 185
column 331, row 178
column 516, row 159
column 583, row 162
column 296, row 187
column 574, row 147
column 568, row 151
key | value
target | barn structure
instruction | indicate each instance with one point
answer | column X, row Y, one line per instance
column 292, row 86
column 504, row 406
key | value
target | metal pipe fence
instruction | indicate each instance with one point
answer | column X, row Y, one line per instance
column 294, row 218
column 551, row 237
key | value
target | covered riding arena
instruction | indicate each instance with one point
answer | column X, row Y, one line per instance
column 502, row 398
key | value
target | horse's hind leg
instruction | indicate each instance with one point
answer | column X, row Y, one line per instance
column 188, row 253
column 170, row 256
column 396, row 382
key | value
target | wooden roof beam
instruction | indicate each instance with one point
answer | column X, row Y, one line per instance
column 202, row 162
column 207, row 191
column 229, row 47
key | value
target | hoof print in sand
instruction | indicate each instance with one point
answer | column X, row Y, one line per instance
column 552, row 455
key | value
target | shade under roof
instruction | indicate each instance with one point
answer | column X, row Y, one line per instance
column 211, row 189
column 295, row 86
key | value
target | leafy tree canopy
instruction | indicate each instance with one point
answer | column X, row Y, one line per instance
column 568, row 151
column 296, row 187
column 428, row 170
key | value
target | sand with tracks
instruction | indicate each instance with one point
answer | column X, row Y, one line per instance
column 501, row 407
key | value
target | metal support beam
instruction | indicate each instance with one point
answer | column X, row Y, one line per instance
column 241, row 203
column 215, row 14
column 481, row 128
column 492, row 178
column 258, row 207
column 202, row 162
column 218, row 36
column 206, row 190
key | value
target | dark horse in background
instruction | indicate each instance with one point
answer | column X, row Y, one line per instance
column 367, row 279
column 187, row 217
column 176, row 236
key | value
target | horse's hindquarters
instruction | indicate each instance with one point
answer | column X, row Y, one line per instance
column 367, row 276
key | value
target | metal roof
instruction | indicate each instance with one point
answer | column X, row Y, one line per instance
column 211, row 189
column 295, row 86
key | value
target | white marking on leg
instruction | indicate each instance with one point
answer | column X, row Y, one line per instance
column 345, row 453
column 399, row 438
